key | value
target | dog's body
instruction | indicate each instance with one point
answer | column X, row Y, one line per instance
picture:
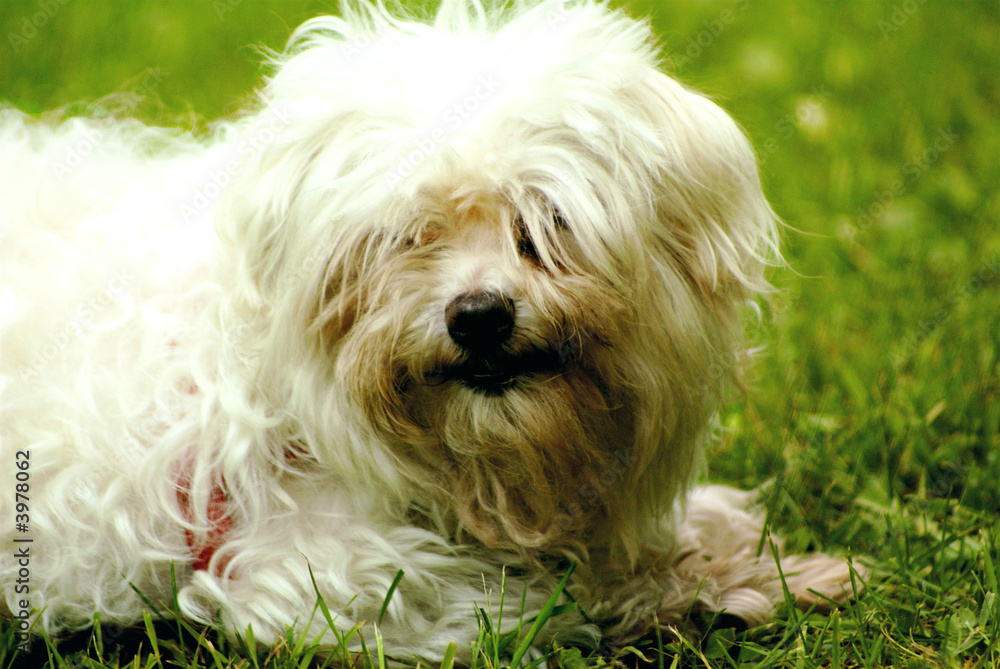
column 456, row 298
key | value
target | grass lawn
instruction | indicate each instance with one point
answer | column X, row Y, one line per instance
column 874, row 408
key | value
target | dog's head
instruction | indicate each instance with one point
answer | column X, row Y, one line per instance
column 495, row 264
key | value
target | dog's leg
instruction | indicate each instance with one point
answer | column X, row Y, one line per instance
column 722, row 563
column 276, row 570
column 725, row 555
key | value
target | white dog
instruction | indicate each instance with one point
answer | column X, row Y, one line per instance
column 459, row 298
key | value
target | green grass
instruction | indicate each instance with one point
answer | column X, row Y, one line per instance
column 875, row 406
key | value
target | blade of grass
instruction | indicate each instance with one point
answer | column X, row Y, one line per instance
column 380, row 646
column 448, row 661
column 97, row 636
column 251, row 645
column 659, row 641
column 388, row 595
column 542, row 618
column 151, row 634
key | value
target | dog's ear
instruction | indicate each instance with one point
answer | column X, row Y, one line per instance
column 715, row 220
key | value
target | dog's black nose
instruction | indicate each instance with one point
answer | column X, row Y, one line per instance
column 480, row 321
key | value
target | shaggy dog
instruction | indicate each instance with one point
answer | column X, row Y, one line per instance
column 459, row 298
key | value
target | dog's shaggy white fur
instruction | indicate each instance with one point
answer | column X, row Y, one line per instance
column 459, row 296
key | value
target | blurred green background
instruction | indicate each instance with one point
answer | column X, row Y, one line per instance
column 876, row 399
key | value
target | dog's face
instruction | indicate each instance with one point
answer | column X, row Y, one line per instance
column 484, row 345
column 531, row 305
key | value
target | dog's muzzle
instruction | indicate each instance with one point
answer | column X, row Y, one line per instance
column 482, row 324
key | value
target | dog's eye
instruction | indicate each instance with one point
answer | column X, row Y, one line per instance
column 525, row 246
column 558, row 222
column 527, row 249
column 423, row 237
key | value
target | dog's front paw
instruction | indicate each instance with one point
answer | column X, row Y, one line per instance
column 822, row 580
